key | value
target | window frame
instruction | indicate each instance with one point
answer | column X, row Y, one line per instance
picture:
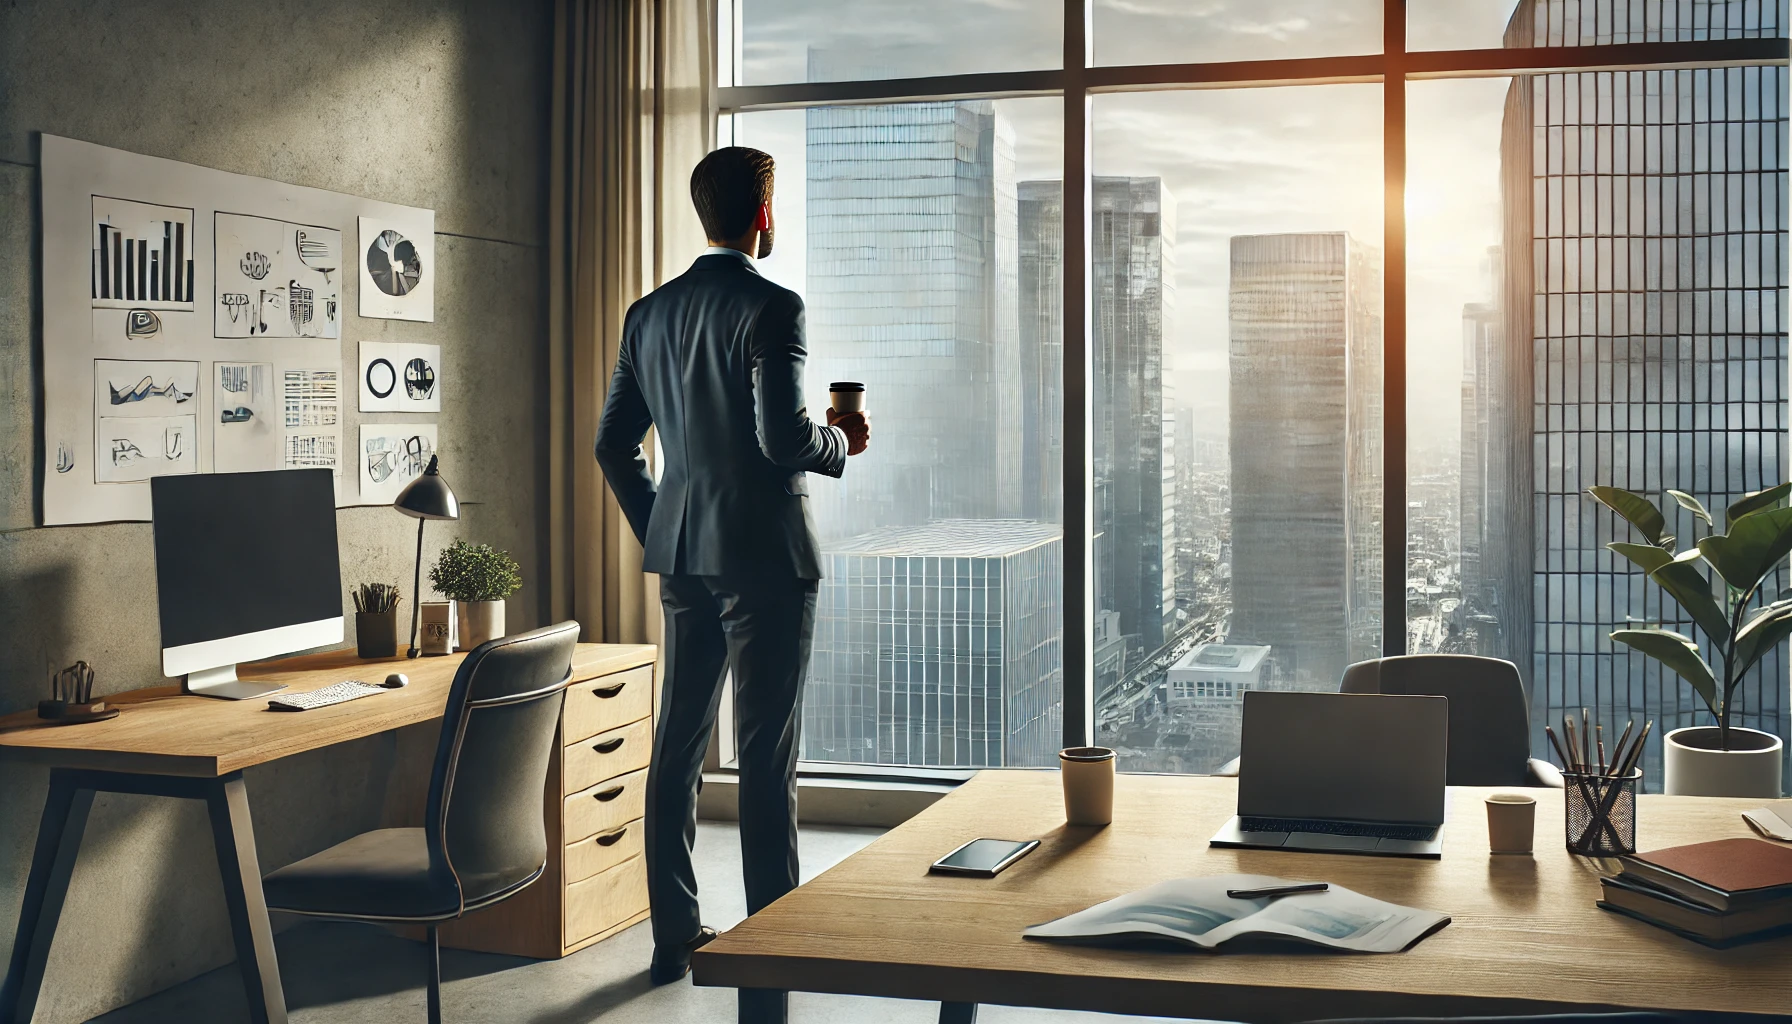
column 1079, row 79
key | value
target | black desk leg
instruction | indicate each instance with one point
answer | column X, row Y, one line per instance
column 958, row 1013
column 52, row 864
column 228, row 802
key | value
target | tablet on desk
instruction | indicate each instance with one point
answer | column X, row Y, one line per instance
column 983, row 858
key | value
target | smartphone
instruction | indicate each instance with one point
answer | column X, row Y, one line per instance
column 983, row 858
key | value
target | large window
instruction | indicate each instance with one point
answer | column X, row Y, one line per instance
column 1217, row 346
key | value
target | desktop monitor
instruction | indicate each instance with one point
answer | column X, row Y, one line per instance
column 246, row 569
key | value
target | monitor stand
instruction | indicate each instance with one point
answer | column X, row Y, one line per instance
column 222, row 682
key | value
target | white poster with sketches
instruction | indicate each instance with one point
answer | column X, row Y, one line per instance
column 391, row 456
column 400, row 377
column 193, row 322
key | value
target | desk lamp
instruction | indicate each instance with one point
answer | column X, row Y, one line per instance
column 427, row 497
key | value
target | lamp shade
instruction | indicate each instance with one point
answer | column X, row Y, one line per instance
column 428, row 496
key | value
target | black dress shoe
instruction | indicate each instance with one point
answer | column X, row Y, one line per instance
column 669, row 965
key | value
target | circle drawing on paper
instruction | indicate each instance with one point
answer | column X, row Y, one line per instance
column 381, row 377
column 419, row 379
column 393, row 263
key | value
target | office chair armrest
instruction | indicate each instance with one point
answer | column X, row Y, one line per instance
column 1229, row 769
column 1544, row 774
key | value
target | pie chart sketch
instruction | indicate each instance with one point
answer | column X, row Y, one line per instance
column 393, row 263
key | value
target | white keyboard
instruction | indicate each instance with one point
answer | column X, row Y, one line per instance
column 337, row 693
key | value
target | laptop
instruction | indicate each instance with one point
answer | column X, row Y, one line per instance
column 1341, row 773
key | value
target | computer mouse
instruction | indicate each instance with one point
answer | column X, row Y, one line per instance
column 395, row 680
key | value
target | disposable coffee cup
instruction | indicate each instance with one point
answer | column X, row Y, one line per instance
column 1511, row 823
column 1088, row 774
column 847, row 396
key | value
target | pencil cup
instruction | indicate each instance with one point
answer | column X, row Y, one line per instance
column 376, row 634
column 1601, row 813
column 1088, row 774
column 1511, row 823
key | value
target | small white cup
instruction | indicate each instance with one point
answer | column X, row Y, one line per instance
column 1088, row 785
column 1511, row 823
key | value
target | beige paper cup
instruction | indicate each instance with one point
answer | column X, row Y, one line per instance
column 847, row 396
column 1511, row 823
column 1088, row 774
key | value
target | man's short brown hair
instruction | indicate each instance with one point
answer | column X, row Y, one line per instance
column 728, row 187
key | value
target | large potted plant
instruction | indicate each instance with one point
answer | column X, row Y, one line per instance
column 1741, row 624
column 477, row 578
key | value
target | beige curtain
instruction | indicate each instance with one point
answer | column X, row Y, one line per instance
column 634, row 109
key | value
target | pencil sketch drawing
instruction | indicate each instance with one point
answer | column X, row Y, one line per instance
column 142, row 323
column 142, row 255
column 271, row 277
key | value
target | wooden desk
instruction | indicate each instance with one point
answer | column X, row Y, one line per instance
column 166, row 743
column 1525, row 935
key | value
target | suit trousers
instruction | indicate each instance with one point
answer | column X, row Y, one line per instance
column 761, row 627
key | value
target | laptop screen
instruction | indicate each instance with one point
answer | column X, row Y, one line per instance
column 1344, row 756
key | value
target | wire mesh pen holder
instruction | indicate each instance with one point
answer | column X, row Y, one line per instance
column 1601, row 812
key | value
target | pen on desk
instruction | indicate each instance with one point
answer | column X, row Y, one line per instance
column 1270, row 892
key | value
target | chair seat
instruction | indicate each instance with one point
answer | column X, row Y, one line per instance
column 383, row 874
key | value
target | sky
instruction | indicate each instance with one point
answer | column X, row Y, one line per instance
column 1305, row 158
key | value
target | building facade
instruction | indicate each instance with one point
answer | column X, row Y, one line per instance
column 1645, row 345
column 1305, row 366
column 912, row 262
column 940, row 645
column 1132, row 292
column 1041, row 225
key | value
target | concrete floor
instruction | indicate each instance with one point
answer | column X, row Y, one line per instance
column 357, row 974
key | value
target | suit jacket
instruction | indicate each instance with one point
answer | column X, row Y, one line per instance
column 714, row 360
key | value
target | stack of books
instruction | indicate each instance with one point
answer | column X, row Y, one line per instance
column 1721, row 893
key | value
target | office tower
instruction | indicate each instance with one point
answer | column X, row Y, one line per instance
column 1492, row 450
column 1131, row 286
column 1305, row 338
column 1643, row 313
column 940, row 644
column 912, row 254
column 1042, row 349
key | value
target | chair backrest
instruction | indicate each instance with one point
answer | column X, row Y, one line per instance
column 1490, row 724
column 486, row 825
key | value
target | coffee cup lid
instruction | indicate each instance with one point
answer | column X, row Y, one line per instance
column 846, row 385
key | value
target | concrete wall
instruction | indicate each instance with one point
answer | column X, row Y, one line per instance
column 421, row 102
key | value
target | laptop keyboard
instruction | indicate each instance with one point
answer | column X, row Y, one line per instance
column 1413, row 833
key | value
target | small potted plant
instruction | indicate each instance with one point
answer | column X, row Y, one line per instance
column 477, row 578
column 1740, row 622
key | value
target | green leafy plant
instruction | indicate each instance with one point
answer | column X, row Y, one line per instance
column 475, row 572
column 1757, row 538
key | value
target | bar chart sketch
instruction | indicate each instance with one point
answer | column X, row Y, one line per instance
column 142, row 255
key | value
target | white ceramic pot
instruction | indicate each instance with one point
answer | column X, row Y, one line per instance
column 1694, row 765
column 479, row 621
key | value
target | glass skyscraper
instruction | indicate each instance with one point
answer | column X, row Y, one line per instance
column 1305, row 339
column 940, row 645
column 912, row 257
column 1643, row 307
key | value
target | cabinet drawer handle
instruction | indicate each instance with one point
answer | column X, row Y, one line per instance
column 608, row 795
column 611, row 838
column 608, row 746
column 607, row 692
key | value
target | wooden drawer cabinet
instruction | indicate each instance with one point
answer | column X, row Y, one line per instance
column 595, row 883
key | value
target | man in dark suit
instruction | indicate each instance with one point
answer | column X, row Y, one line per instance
column 714, row 360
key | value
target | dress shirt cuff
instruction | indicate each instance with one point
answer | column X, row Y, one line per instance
column 837, row 468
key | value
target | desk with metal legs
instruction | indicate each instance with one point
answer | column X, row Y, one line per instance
column 1525, row 936
column 166, row 743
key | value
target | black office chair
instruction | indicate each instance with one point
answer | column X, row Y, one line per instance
column 1490, row 722
column 485, row 837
